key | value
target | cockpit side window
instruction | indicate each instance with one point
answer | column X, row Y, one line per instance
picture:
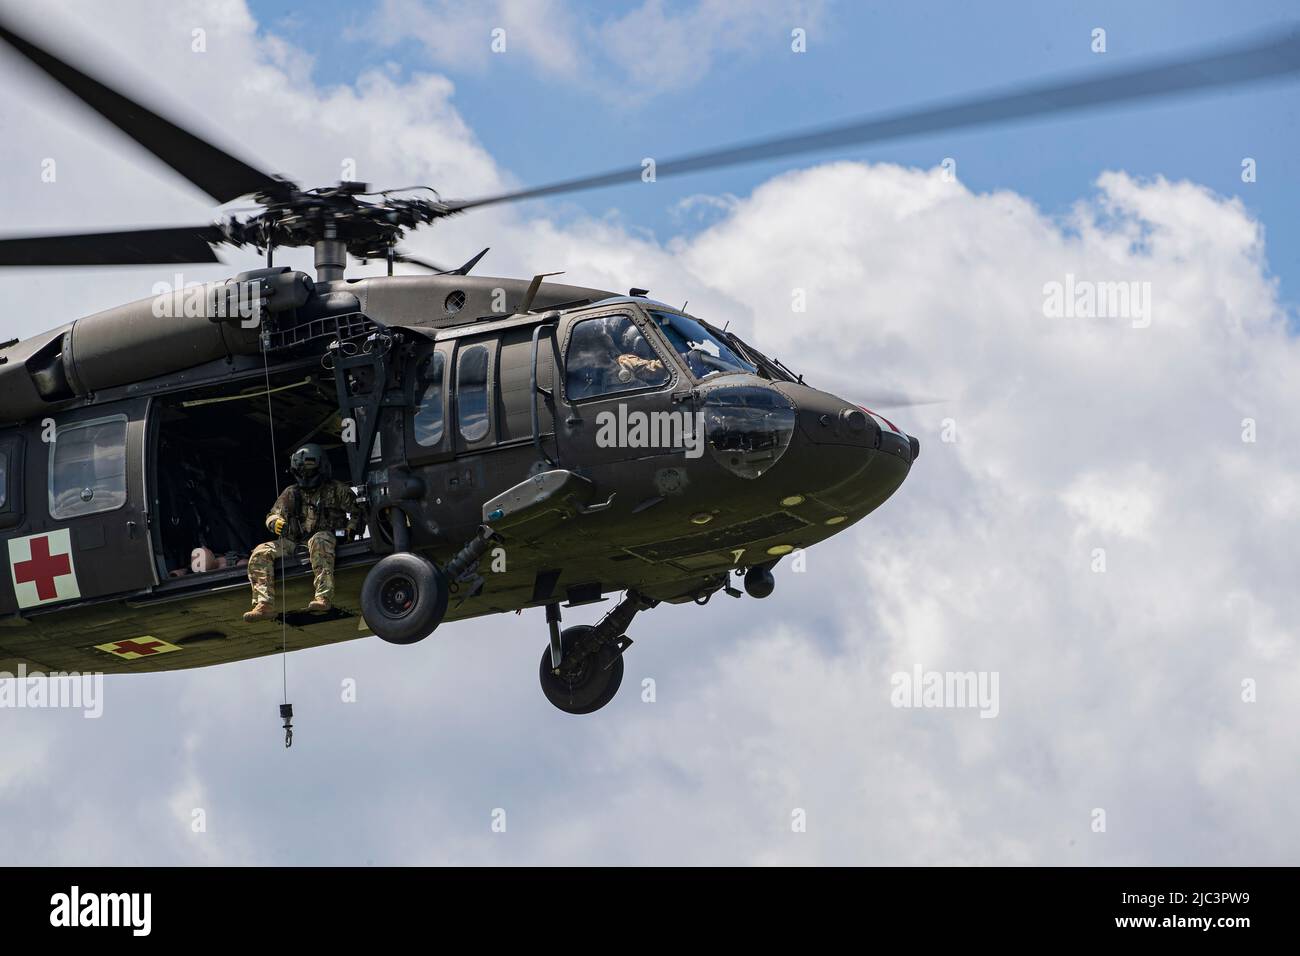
column 609, row 354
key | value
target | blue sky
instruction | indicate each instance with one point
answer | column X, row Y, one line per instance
column 864, row 58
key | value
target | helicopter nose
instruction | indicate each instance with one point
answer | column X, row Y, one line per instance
column 827, row 420
column 858, row 457
column 889, row 438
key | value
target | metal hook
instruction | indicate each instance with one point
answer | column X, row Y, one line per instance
column 286, row 714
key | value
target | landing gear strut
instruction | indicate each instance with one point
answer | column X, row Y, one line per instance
column 582, row 667
column 404, row 597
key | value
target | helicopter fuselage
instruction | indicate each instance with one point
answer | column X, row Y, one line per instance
column 612, row 442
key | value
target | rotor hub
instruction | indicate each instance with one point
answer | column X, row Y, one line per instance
column 366, row 229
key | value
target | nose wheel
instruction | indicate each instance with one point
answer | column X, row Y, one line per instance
column 584, row 683
column 582, row 667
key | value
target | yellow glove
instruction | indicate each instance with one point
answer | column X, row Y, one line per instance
column 276, row 526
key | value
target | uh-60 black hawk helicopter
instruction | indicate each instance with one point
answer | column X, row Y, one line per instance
column 141, row 447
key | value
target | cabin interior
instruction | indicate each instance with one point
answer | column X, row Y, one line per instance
column 218, row 469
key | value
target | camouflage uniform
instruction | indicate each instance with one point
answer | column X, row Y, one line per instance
column 311, row 516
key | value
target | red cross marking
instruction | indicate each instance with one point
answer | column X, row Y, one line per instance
column 42, row 568
column 126, row 647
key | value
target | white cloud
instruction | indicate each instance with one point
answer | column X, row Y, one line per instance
column 1109, row 503
column 467, row 36
column 649, row 50
column 664, row 50
column 1120, row 690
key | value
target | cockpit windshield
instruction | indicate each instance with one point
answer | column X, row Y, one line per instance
column 772, row 368
column 704, row 352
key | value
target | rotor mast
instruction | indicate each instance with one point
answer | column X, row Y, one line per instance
column 331, row 256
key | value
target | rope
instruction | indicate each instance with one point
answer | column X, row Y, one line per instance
column 275, row 482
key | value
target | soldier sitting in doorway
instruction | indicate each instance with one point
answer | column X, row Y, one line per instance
column 310, row 512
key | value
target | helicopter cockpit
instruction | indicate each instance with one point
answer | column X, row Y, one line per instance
column 748, row 424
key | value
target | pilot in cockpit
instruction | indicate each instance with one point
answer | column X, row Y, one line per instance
column 636, row 359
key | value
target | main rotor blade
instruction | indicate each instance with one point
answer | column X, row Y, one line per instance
column 217, row 173
column 876, row 400
column 1273, row 56
column 885, row 401
column 134, row 247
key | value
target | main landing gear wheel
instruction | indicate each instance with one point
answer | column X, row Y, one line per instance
column 404, row 598
column 594, row 682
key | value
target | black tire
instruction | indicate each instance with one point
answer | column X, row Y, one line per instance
column 594, row 687
column 404, row 598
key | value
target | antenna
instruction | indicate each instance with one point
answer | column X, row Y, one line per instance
column 533, row 286
column 464, row 270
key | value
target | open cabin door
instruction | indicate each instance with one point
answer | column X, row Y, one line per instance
column 85, row 532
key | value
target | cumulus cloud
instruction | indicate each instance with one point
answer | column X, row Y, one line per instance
column 466, row 36
column 1121, row 680
column 1120, row 689
column 683, row 45
column 649, row 50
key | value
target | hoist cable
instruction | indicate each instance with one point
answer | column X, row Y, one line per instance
column 275, row 481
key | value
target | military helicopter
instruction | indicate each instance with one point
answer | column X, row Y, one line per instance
column 516, row 443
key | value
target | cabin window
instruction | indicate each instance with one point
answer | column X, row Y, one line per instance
column 88, row 468
column 472, row 393
column 610, row 354
column 428, row 407
column 11, row 481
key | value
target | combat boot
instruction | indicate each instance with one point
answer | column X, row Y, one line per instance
column 319, row 605
column 262, row 611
